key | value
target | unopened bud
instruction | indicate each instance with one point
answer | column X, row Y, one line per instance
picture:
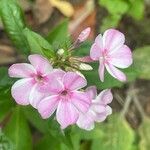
column 60, row 52
column 84, row 66
column 84, row 34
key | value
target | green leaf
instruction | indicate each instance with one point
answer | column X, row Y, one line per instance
column 13, row 20
column 144, row 131
column 18, row 131
column 142, row 62
column 118, row 135
column 115, row 7
column 137, row 9
column 37, row 43
column 5, row 142
column 6, row 102
column 59, row 35
column 48, row 143
column 4, row 78
column 35, row 119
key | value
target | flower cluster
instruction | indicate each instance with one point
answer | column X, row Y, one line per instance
column 51, row 90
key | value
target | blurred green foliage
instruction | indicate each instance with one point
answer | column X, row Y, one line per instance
column 115, row 134
column 118, row 8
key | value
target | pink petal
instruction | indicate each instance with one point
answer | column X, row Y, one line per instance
column 100, row 117
column 53, row 84
column 101, row 70
column 105, row 97
column 121, row 58
column 84, row 34
column 36, row 95
column 86, row 121
column 41, row 64
column 74, row 81
column 113, row 39
column 21, row 90
column 21, row 70
column 92, row 92
column 66, row 114
column 47, row 106
column 81, row 101
column 108, row 110
column 98, row 108
column 97, row 48
column 116, row 73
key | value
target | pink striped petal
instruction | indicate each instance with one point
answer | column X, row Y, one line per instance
column 41, row 64
column 101, row 70
column 113, row 39
column 95, row 52
column 73, row 81
column 99, row 42
column 21, row 70
column 21, row 90
column 116, row 73
column 121, row 58
column 81, row 101
column 92, row 92
column 36, row 95
column 48, row 106
column 84, row 34
column 53, row 84
column 104, row 98
column 66, row 114
column 86, row 121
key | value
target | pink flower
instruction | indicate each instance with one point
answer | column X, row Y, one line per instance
column 66, row 98
column 98, row 110
column 84, row 34
column 26, row 90
column 111, row 52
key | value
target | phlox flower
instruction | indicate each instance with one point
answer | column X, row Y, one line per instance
column 112, row 53
column 98, row 110
column 65, row 98
column 33, row 76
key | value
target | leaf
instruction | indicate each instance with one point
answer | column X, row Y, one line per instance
column 142, row 62
column 118, row 135
column 114, row 7
column 18, row 131
column 5, row 142
column 137, row 9
column 35, row 119
column 64, row 7
column 4, row 78
column 6, row 102
column 144, row 131
column 48, row 143
column 37, row 43
column 13, row 20
column 59, row 35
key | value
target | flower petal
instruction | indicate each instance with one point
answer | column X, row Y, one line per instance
column 47, row 106
column 104, row 98
column 97, row 48
column 41, row 64
column 92, row 92
column 113, row 39
column 73, row 81
column 101, row 70
column 86, row 121
column 81, row 101
column 21, row 70
column 53, row 83
column 21, row 90
column 66, row 114
column 121, row 58
column 116, row 73
column 36, row 95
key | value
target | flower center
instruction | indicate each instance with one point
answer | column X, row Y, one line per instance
column 39, row 78
column 64, row 93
